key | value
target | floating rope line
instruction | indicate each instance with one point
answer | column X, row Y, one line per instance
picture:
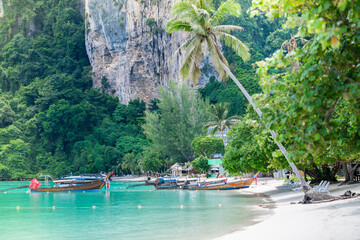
column 50, row 207
column 124, row 207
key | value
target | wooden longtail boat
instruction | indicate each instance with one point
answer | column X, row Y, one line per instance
column 221, row 186
column 92, row 186
column 86, row 177
column 168, row 186
column 224, row 185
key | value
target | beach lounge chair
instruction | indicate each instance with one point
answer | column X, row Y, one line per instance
column 299, row 189
column 284, row 186
column 295, row 185
column 320, row 185
column 324, row 187
column 288, row 186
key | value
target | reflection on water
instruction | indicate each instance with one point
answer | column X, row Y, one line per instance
column 116, row 213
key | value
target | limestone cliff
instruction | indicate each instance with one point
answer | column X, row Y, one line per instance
column 127, row 43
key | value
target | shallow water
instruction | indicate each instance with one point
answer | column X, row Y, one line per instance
column 118, row 216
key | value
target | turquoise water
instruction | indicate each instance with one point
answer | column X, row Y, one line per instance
column 117, row 215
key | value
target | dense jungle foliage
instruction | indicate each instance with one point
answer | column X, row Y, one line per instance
column 51, row 119
column 53, row 122
column 310, row 89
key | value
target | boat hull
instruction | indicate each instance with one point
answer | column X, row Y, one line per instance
column 226, row 186
column 170, row 187
column 214, row 186
column 93, row 187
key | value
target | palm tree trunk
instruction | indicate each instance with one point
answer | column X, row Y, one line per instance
column 222, row 136
column 305, row 186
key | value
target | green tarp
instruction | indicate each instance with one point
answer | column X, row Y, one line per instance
column 214, row 161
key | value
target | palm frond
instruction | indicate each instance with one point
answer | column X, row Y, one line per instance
column 185, row 26
column 190, row 58
column 218, row 51
column 192, row 11
column 214, row 130
column 195, row 70
column 210, row 124
column 226, row 28
column 203, row 14
column 213, row 126
column 184, row 10
column 219, row 110
column 219, row 114
column 238, row 46
column 205, row 4
column 185, row 70
column 184, row 46
column 196, row 73
column 216, row 58
column 198, row 29
column 178, row 25
column 226, row 9
column 236, row 117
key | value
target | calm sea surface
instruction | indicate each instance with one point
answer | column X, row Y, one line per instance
column 117, row 215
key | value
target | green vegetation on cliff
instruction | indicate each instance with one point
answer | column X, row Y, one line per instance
column 51, row 120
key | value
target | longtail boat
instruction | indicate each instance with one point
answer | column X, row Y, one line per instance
column 92, row 186
column 223, row 184
column 85, row 177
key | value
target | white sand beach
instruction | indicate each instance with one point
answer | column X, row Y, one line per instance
column 321, row 221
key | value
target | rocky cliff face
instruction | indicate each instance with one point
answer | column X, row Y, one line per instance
column 127, row 43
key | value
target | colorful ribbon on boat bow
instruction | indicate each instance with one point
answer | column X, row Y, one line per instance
column 34, row 184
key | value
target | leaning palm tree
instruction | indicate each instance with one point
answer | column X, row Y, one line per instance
column 221, row 121
column 201, row 21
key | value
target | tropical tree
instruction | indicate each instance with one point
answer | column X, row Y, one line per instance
column 250, row 148
column 15, row 158
column 221, row 121
column 131, row 163
column 152, row 161
column 7, row 115
column 182, row 114
column 313, row 90
column 207, row 146
column 201, row 164
column 201, row 21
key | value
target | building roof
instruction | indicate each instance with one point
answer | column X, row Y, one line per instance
column 176, row 166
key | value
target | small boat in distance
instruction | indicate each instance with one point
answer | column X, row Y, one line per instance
column 92, row 186
column 220, row 186
column 85, row 177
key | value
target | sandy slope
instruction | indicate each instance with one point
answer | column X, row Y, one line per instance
column 333, row 220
